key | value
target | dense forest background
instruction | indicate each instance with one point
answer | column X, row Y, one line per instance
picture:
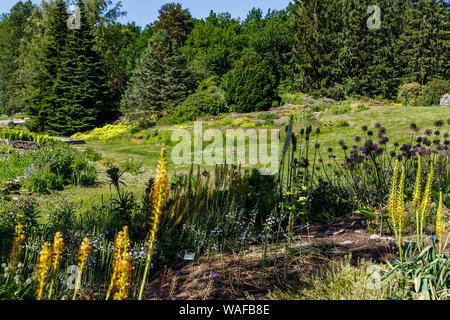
column 74, row 79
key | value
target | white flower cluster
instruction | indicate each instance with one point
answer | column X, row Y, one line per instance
column 445, row 100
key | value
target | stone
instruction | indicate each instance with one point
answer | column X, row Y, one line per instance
column 445, row 100
column 374, row 237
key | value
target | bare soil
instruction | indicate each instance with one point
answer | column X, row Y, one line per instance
column 244, row 276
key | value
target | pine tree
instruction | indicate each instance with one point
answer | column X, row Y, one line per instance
column 425, row 41
column 160, row 81
column 80, row 84
column 45, row 102
column 176, row 21
column 316, row 23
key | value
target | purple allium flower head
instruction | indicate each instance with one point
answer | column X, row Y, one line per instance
column 213, row 275
column 377, row 125
column 440, row 147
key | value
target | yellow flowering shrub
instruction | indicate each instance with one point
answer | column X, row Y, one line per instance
column 105, row 133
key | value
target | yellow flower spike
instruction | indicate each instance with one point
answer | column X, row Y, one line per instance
column 439, row 223
column 43, row 267
column 17, row 245
column 57, row 251
column 397, row 211
column 400, row 214
column 417, row 188
column 83, row 255
column 393, row 195
column 160, row 195
column 426, row 203
column 122, row 269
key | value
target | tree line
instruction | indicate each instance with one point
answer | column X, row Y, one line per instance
column 73, row 79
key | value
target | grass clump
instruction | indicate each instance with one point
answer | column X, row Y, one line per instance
column 342, row 281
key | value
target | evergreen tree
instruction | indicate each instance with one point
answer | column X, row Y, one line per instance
column 317, row 24
column 250, row 86
column 176, row 21
column 80, row 85
column 12, row 27
column 426, row 41
column 44, row 101
column 160, row 81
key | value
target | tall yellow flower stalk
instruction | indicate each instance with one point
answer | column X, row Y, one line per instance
column 83, row 255
column 439, row 223
column 160, row 194
column 418, row 186
column 397, row 211
column 424, row 207
column 57, row 251
column 122, row 269
column 43, row 268
column 17, row 245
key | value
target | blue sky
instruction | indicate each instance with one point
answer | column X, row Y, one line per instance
column 146, row 11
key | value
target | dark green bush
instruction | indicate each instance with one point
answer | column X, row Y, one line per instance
column 197, row 105
column 336, row 92
column 250, row 86
column 433, row 91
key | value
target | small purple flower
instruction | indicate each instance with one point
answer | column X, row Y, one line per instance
column 369, row 171
column 377, row 125
column 440, row 147
column 363, row 149
column 176, row 273
column 213, row 275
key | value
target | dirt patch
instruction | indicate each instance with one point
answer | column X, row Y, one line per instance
column 250, row 275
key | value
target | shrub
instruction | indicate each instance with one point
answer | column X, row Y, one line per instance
column 342, row 123
column 249, row 125
column 23, row 135
column 433, row 91
column 341, row 109
column 410, row 93
column 197, row 105
column 250, row 86
column 336, row 92
column 362, row 107
column 92, row 155
column 61, row 217
column 27, row 207
column 105, row 133
column 132, row 166
column 239, row 121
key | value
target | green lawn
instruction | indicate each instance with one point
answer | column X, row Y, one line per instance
column 395, row 119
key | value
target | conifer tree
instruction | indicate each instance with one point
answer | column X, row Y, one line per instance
column 80, row 84
column 45, row 102
column 426, row 41
column 176, row 21
column 250, row 86
column 317, row 23
column 160, row 81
